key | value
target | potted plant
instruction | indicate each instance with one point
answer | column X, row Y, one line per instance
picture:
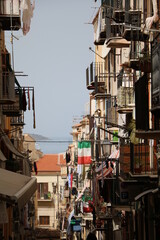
column 138, row 165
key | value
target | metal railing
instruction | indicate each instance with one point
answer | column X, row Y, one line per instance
column 111, row 109
column 95, row 73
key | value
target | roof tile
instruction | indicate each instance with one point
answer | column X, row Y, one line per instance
column 50, row 163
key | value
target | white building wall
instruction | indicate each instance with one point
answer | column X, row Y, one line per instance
column 51, row 209
column 47, row 211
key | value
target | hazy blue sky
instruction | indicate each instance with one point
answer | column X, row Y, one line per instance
column 55, row 54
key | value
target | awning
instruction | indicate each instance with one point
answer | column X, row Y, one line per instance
column 16, row 188
column 145, row 193
column 82, row 192
column 2, row 157
column 104, row 173
column 9, row 145
column 105, row 51
column 98, row 169
column 115, row 154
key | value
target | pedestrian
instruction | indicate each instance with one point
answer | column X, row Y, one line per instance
column 91, row 236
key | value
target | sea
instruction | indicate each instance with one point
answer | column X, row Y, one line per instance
column 52, row 147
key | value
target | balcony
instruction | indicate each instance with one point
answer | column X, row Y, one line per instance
column 140, row 62
column 96, row 78
column 125, row 99
column 132, row 27
column 45, row 197
column 119, row 15
column 100, row 27
column 8, row 80
column 8, row 88
column 22, row 102
column 10, row 15
column 125, row 92
column 14, row 109
column 112, row 115
column 17, row 121
column 114, row 9
column 114, row 37
column 138, row 162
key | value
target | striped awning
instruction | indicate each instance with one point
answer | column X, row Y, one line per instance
column 82, row 192
column 98, row 169
column 104, row 173
column 115, row 154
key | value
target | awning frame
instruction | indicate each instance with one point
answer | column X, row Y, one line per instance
column 15, row 188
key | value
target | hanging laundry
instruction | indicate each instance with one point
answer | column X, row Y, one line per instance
column 35, row 168
column 24, row 102
column 71, row 179
column 68, row 157
column 27, row 9
column 34, row 119
column 33, row 108
column 29, row 105
column 155, row 17
column 33, row 99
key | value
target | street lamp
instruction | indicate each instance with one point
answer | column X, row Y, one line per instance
column 105, row 147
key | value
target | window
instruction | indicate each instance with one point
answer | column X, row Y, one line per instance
column 44, row 220
column 42, row 190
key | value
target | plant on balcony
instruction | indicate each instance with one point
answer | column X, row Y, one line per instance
column 138, row 165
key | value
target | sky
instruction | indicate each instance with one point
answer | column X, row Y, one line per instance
column 55, row 55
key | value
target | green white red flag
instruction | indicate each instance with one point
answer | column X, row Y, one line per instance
column 84, row 152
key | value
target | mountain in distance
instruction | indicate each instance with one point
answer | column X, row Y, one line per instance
column 50, row 146
column 38, row 137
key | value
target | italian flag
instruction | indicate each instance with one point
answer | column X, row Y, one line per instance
column 84, row 152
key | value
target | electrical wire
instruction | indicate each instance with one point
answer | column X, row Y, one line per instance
column 50, row 141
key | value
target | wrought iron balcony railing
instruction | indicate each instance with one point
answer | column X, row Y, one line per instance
column 17, row 121
column 125, row 91
column 21, row 102
column 132, row 26
column 138, row 162
column 8, row 89
column 129, row 20
column 111, row 106
column 96, row 76
column 114, row 9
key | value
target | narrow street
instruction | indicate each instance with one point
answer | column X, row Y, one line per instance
column 80, row 137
